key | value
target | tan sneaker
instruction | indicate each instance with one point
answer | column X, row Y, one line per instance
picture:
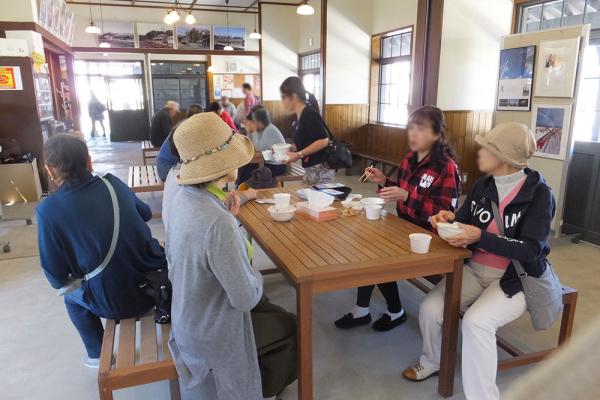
column 418, row 373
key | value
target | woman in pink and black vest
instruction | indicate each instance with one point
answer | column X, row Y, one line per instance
column 428, row 182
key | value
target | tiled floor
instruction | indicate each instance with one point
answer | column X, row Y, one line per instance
column 41, row 352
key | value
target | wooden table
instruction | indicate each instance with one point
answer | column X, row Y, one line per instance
column 349, row 252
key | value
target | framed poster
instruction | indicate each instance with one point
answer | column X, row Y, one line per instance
column 232, row 36
column 155, row 36
column 118, row 34
column 550, row 124
column 557, row 68
column 10, row 78
column 193, row 37
column 515, row 79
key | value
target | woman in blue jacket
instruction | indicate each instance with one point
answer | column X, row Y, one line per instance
column 75, row 232
column 492, row 294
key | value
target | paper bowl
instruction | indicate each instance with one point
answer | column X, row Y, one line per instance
column 419, row 242
column 372, row 201
column 447, row 231
column 319, row 200
column 354, row 196
column 281, row 215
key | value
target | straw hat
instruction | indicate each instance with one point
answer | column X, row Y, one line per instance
column 209, row 149
column 512, row 142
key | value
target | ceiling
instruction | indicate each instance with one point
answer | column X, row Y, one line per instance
column 237, row 4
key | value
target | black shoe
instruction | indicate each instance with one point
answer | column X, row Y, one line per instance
column 348, row 321
column 385, row 323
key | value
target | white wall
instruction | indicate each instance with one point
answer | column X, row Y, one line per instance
column 310, row 29
column 248, row 64
column 349, row 27
column 393, row 14
column 470, row 52
column 19, row 10
column 280, row 27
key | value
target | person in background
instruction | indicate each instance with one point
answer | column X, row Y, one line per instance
column 249, row 98
column 263, row 135
column 428, row 182
column 168, row 156
column 218, row 298
column 96, row 112
column 311, row 136
column 492, row 292
column 216, row 108
column 240, row 116
column 75, row 232
column 227, row 106
column 162, row 122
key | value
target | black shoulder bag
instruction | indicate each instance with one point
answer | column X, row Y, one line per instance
column 337, row 152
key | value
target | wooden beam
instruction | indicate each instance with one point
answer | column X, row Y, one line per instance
column 260, row 52
column 50, row 40
column 136, row 50
column 197, row 7
column 323, row 55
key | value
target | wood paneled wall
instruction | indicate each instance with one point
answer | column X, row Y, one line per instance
column 347, row 120
column 280, row 118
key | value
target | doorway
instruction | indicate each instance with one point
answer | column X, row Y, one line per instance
column 119, row 87
column 183, row 82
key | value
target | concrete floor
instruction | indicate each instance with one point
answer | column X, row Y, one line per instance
column 41, row 353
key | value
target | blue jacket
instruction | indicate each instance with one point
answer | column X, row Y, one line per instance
column 527, row 221
column 75, row 227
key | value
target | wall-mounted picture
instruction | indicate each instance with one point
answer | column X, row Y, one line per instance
column 550, row 125
column 118, row 34
column 193, row 37
column 515, row 79
column 155, row 36
column 232, row 36
column 557, row 68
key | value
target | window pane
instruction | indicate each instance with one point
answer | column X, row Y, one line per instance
column 394, row 93
column 592, row 13
column 530, row 19
column 552, row 14
column 396, row 45
column 573, row 12
column 405, row 47
column 387, row 47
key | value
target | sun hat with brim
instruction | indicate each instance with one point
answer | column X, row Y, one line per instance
column 209, row 149
column 511, row 142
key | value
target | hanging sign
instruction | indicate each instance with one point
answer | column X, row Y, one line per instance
column 10, row 78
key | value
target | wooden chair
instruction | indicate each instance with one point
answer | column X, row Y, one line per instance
column 294, row 172
column 152, row 362
column 520, row 357
column 144, row 178
column 148, row 151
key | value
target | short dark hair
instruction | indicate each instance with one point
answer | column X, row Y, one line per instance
column 193, row 109
column 68, row 155
column 214, row 107
column 247, row 86
column 261, row 114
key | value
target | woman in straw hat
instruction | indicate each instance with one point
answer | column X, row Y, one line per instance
column 492, row 293
column 224, row 334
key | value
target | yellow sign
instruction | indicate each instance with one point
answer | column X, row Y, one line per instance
column 10, row 78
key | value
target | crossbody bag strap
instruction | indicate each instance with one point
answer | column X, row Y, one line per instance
column 115, row 235
column 518, row 266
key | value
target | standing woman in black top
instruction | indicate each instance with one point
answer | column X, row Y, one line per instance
column 311, row 137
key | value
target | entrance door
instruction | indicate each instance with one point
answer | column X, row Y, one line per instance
column 126, row 111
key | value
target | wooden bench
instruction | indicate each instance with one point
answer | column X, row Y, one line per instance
column 518, row 356
column 151, row 363
column 294, row 172
column 148, row 151
column 388, row 165
column 144, row 178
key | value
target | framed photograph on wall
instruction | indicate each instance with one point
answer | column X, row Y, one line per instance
column 155, row 36
column 232, row 36
column 118, row 34
column 193, row 37
column 515, row 79
column 557, row 68
column 550, row 124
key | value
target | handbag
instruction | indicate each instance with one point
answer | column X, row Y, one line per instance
column 337, row 152
column 543, row 295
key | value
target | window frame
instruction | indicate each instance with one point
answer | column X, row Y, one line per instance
column 177, row 76
column 311, row 71
column 377, row 64
column 521, row 5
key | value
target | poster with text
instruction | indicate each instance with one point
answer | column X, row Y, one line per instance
column 10, row 78
column 551, row 128
column 515, row 79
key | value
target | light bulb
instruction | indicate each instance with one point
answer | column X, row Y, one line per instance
column 174, row 15
column 190, row 19
column 255, row 35
column 305, row 9
column 210, row 69
column 228, row 48
column 92, row 28
column 104, row 45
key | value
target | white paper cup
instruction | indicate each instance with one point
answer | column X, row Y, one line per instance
column 373, row 211
column 282, row 200
column 419, row 243
column 267, row 155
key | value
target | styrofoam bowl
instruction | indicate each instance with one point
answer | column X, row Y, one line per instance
column 372, row 201
column 281, row 215
column 446, row 230
column 419, row 242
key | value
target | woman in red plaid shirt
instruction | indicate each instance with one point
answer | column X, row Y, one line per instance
column 428, row 182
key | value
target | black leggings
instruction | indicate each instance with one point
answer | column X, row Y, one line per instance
column 388, row 290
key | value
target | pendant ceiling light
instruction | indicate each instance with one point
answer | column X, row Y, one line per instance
column 102, row 44
column 189, row 18
column 92, row 28
column 305, row 9
column 228, row 47
column 255, row 34
column 172, row 15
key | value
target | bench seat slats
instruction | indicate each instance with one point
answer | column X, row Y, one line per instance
column 165, row 330
column 126, row 351
column 108, row 342
column 148, row 349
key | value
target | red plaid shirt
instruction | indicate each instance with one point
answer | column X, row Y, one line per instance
column 432, row 186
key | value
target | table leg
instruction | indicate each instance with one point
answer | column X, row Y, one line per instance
column 305, row 371
column 450, row 329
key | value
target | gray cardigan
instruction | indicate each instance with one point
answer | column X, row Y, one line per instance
column 214, row 289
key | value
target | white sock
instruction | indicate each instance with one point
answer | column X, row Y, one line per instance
column 358, row 311
column 394, row 316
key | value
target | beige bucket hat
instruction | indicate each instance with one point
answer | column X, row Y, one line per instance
column 209, row 149
column 512, row 142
